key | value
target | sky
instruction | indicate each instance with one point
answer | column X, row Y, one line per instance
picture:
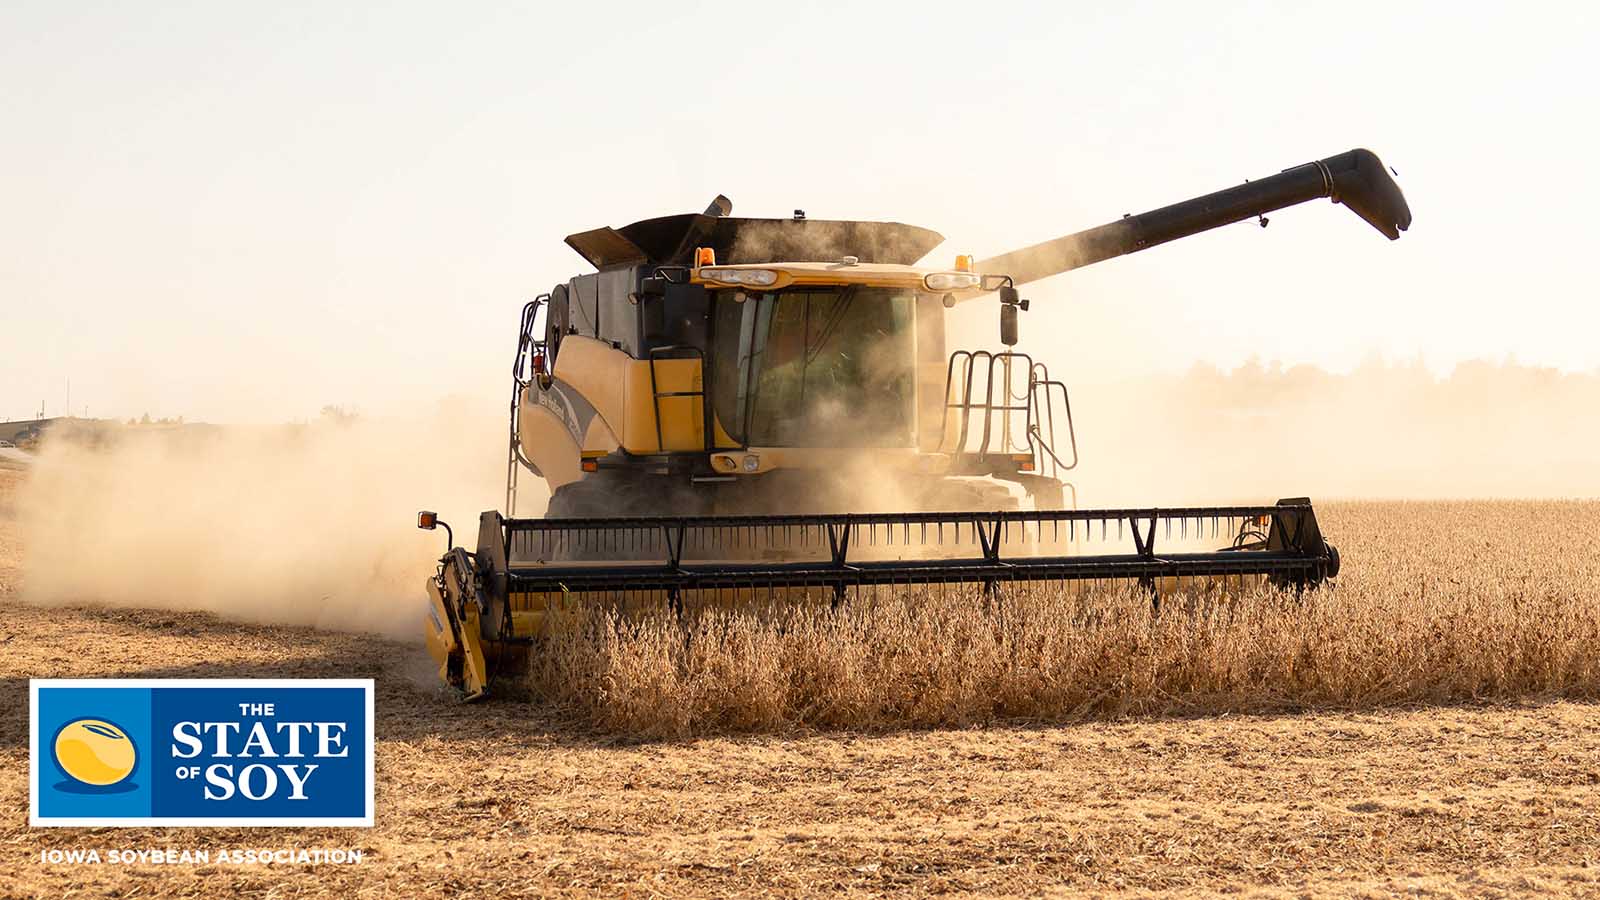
column 243, row 213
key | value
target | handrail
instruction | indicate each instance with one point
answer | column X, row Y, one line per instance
column 527, row 345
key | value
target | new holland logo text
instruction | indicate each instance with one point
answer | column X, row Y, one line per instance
column 201, row 752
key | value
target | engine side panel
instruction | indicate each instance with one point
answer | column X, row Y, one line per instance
column 618, row 388
column 551, row 429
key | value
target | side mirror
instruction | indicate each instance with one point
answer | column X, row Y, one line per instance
column 1008, row 323
column 1008, row 295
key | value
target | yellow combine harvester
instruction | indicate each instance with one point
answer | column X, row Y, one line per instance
column 768, row 405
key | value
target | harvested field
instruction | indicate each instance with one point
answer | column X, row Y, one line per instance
column 1481, row 784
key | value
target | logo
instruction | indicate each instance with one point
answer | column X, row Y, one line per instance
column 225, row 752
column 96, row 754
column 573, row 411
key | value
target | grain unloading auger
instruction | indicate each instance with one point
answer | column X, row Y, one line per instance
column 737, row 409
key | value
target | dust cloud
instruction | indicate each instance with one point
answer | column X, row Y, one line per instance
column 816, row 240
column 313, row 524
column 306, row 525
column 1383, row 431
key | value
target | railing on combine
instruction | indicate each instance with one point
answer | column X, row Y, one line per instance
column 532, row 360
column 1035, row 400
column 1042, row 390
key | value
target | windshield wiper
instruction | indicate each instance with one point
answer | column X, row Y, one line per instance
column 846, row 297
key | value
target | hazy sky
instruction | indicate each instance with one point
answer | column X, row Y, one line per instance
column 244, row 212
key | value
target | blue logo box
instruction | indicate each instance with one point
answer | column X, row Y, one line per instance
column 197, row 752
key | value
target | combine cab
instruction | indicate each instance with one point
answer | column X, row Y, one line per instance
column 732, row 409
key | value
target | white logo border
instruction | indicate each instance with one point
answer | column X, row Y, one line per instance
column 366, row 685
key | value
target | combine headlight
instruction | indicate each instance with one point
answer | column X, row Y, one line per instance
column 938, row 282
column 757, row 277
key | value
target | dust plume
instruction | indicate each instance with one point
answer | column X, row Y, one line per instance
column 814, row 240
column 1382, row 431
column 1260, row 432
column 310, row 525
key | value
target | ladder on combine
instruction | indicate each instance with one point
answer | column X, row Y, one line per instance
column 532, row 361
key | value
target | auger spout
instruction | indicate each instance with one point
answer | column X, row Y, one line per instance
column 1356, row 178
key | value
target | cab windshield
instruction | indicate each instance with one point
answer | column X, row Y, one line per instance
column 816, row 366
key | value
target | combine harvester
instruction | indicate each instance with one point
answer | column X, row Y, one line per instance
column 766, row 405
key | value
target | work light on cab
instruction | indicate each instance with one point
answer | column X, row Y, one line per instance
column 756, row 277
column 939, row 282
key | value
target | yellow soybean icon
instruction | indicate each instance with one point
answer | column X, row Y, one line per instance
column 95, row 752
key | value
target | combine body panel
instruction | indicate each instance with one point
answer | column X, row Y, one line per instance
column 733, row 409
